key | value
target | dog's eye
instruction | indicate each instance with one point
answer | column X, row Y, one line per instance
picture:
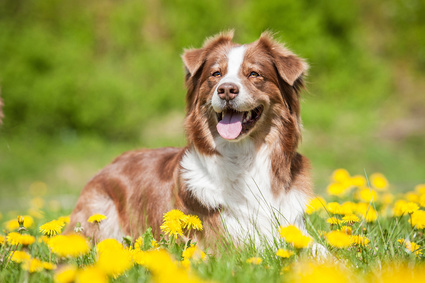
column 254, row 74
column 216, row 74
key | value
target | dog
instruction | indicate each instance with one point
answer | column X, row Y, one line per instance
column 240, row 172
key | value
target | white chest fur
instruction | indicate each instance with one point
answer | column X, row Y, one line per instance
column 239, row 182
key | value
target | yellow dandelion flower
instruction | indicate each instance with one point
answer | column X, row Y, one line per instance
column 139, row 243
column 139, row 256
column 174, row 215
column 36, row 213
column 284, row 253
column 113, row 259
column 165, row 269
column 410, row 207
column 346, row 229
column 66, row 274
column 379, row 182
column 358, row 181
column 315, row 204
column 20, row 256
column 192, row 222
column 367, row 212
column 173, row 228
column 417, row 219
column 394, row 273
column 49, row 266
column 14, row 238
column 185, row 263
column 254, row 260
column 52, row 228
column 420, row 189
column 154, row 244
column 302, row 242
column 367, row 195
column 319, row 271
column 32, row 265
column 43, row 239
column 194, row 253
column 336, row 189
column 158, row 261
column 91, row 274
column 422, row 200
column 173, row 222
column 387, row 198
column 348, row 208
column 108, row 244
column 412, row 197
column 73, row 245
column 97, row 218
column 334, row 208
column 289, row 232
column 13, row 224
column 27, row 239
column 351, row 218
column 371, row 215
column 340, row 175
column 360, row 240
column 334, row 221
column 2, row 239
column 294, row 236
column 411, row 247
column 338, row 239
column 399, row 208
column 414, row 248
column 64, row 219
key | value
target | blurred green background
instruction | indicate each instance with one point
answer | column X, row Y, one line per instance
column 83, row 81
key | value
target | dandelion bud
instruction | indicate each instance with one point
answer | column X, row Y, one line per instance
column 127, row 240
column 21, row 220
column 78, row 228
column 21, row 224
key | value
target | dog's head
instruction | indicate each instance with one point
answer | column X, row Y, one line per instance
column 235, row 92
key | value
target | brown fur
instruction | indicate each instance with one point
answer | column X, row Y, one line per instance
column 145, row 184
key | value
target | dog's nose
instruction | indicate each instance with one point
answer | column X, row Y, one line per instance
column 228, row 91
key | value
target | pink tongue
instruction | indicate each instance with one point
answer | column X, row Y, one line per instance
column 230, row 126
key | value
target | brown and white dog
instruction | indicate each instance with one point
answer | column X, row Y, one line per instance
column 240, row 171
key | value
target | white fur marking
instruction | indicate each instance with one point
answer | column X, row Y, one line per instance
column 234, row 63
column 235, row 59
column 110, row 226
column 239, row 182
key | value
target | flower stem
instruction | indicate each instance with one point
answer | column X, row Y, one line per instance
column 16, row 246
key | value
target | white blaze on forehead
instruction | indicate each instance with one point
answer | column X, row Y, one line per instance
column 235, row 60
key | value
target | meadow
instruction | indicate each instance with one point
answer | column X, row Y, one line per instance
column 370, row 235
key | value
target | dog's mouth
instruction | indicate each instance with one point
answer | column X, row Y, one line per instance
column 233, row 124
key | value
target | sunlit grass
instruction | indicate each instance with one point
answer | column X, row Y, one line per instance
column 373, row 236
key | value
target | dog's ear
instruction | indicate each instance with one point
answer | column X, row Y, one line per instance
column 193, row 59
column 289, row 66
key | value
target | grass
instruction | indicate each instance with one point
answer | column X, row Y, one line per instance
column 393, row 226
